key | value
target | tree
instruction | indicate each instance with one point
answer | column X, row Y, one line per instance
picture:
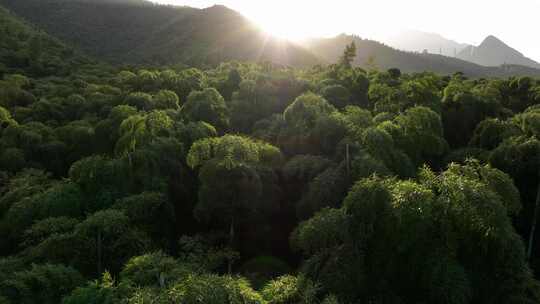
column 311, row 126
column 230, row 182
column 209, row 288
column 490, row 133
column 98, row 292
column 326, row 190
column 155, row 269
column 381, row 145
column 519, row 156
column 386, row 98
column 79, row 138
column 138, row 130
column 337, row 95
column 348, row 56
column 5, row 119
column 107, row 240
column 43, row 283
column 166, row 99
column 289, row 289
column 41, row 230
column 139, row 100
column 151, row 213
column 420, row 135
column 397, row 241
column 462, row 111
column 208, row 106
column 12, row 160
column 102, row 180
column 57, row 200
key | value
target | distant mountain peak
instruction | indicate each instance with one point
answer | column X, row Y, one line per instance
column 494, row 52
column 218, row 7
column 492, row 41
column 222, row 12
column 491, row 37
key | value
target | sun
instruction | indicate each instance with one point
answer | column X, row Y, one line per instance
column 283, row 29
column 283, row 23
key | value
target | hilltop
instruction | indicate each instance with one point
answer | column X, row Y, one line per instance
column 494, row 52
column 139, row 32
column 375, row 54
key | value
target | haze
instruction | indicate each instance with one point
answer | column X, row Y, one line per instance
column 514, row 22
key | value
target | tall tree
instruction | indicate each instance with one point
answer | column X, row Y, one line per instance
column 230, row 183
column 349, row 54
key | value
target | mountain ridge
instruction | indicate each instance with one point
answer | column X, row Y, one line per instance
column 370, row 52
column 495, row 52
column 419, row 41
column 158, row 34
column 125, row 32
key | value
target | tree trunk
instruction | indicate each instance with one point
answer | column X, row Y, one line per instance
column 231, row 243
column 533, row 225
column 348, row 157
column 99, row 253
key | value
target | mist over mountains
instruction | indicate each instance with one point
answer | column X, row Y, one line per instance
column 491, row 52
column 418, row 41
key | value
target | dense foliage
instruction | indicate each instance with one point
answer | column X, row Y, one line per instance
column 259, row 183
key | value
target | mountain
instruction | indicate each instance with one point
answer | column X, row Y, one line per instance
column 140, row 32
column 494, row 52
column 143, row 33
column 418, row 41
column 26, row 50
column 372, row 53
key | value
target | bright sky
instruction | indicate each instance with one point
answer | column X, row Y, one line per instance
column 515, row 22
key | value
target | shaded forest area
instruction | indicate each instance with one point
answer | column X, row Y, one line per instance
column 260, row 183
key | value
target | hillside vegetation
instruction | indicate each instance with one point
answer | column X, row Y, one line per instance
column 27, row 50
column 143, row 33
column 129, row 32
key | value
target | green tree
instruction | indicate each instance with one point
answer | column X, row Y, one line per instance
column 107, row 240
column 398, row 241
column 138, row 130
column 151, row 213
column 42, row 283
column 166, row 99
column 208, row 106
column 5, row 119
column 141, row 101
column 311, row 125
column 349, row 54
column 230, row 182
column 155, row 269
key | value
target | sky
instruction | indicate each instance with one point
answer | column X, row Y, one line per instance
column 515, row 22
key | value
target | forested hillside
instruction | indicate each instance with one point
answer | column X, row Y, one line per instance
column 24, row 49
column 128, row 32
column 258, row 183
column 374, row 54
column 143, row 33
